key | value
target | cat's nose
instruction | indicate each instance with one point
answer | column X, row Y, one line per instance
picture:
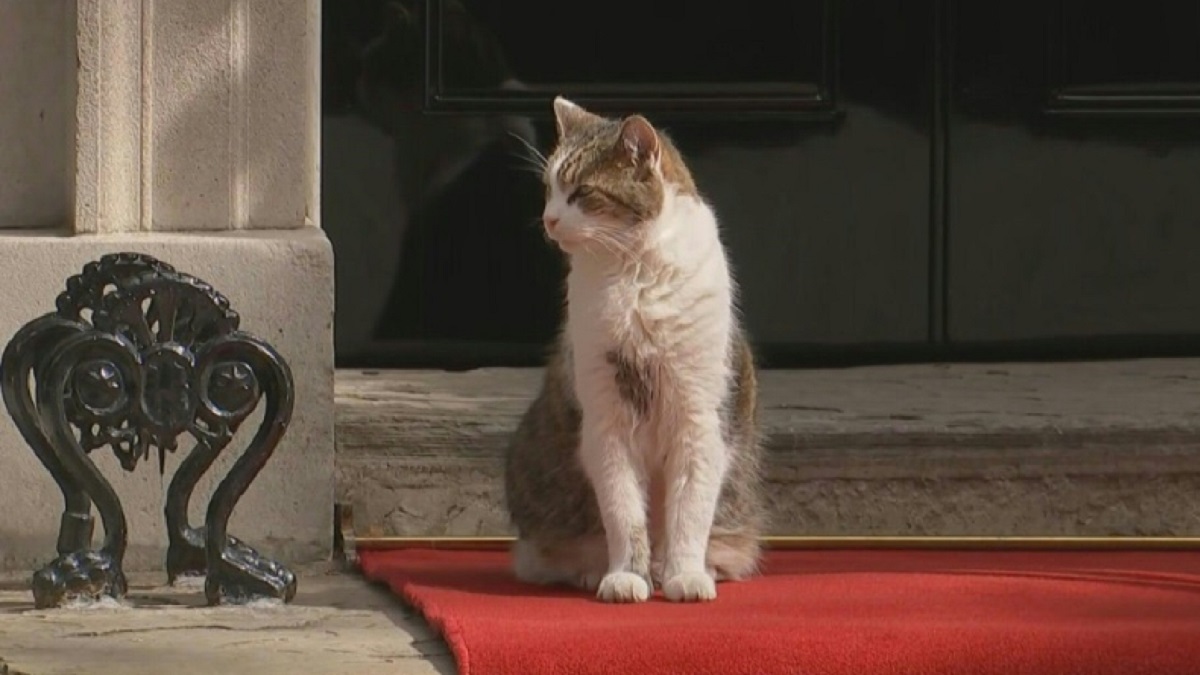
column 550, row 222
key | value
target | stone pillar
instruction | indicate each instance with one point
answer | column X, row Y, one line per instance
column 188, row 131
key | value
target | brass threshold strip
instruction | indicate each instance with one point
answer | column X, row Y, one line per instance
column 849, row 542
column 347, row 544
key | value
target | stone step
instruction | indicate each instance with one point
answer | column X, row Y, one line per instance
column 1022, row 449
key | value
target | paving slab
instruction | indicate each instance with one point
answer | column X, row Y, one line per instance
column 339, row 624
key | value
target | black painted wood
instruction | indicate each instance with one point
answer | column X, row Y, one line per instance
column 1074, row 154
column 898, row 179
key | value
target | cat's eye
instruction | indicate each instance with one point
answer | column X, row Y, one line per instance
column 578, row 193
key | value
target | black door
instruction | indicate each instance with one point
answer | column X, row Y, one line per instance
column 895, row 178
column 1074, row 156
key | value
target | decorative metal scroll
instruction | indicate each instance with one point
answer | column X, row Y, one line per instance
column 136, row 357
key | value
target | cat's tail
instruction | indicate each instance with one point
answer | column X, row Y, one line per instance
column 578, row 561
column 733, row 556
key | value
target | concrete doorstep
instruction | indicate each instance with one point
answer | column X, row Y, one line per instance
column 337, row 625
column 1021, row 449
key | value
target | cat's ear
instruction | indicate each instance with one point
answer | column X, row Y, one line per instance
column 569, row 116
column 639, row 140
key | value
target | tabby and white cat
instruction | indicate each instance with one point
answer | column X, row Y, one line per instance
column 638, row 464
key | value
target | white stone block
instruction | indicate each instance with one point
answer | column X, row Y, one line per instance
column 37, row 111
column 197, row 116
column 281, row 282
column 232, row 125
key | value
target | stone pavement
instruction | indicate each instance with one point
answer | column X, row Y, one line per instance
column 338, row 625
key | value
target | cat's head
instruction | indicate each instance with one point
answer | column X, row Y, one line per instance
column 607, row 180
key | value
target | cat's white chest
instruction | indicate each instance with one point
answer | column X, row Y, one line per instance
column 605, row 313
column 668, row 313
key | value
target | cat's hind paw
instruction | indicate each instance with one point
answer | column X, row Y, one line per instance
column 623, row 587
column 690, row 587
column 589, row 581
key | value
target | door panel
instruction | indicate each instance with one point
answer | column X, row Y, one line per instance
column 1074, row 147
column 1135, row 58
column 655, row 53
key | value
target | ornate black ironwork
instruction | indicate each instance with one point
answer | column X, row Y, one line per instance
column 137, row 356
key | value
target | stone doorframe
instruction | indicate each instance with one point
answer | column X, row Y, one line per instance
column 189, row 131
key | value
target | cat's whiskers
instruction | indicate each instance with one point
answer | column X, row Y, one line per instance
column 528, row 167
column 534, row 157
column 613, row 245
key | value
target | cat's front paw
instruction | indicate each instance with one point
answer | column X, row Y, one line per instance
column 690, row 587
column 623, row 587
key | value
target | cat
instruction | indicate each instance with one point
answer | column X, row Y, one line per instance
column 638, row 464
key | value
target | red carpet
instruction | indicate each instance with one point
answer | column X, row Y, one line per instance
column 828, row 613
